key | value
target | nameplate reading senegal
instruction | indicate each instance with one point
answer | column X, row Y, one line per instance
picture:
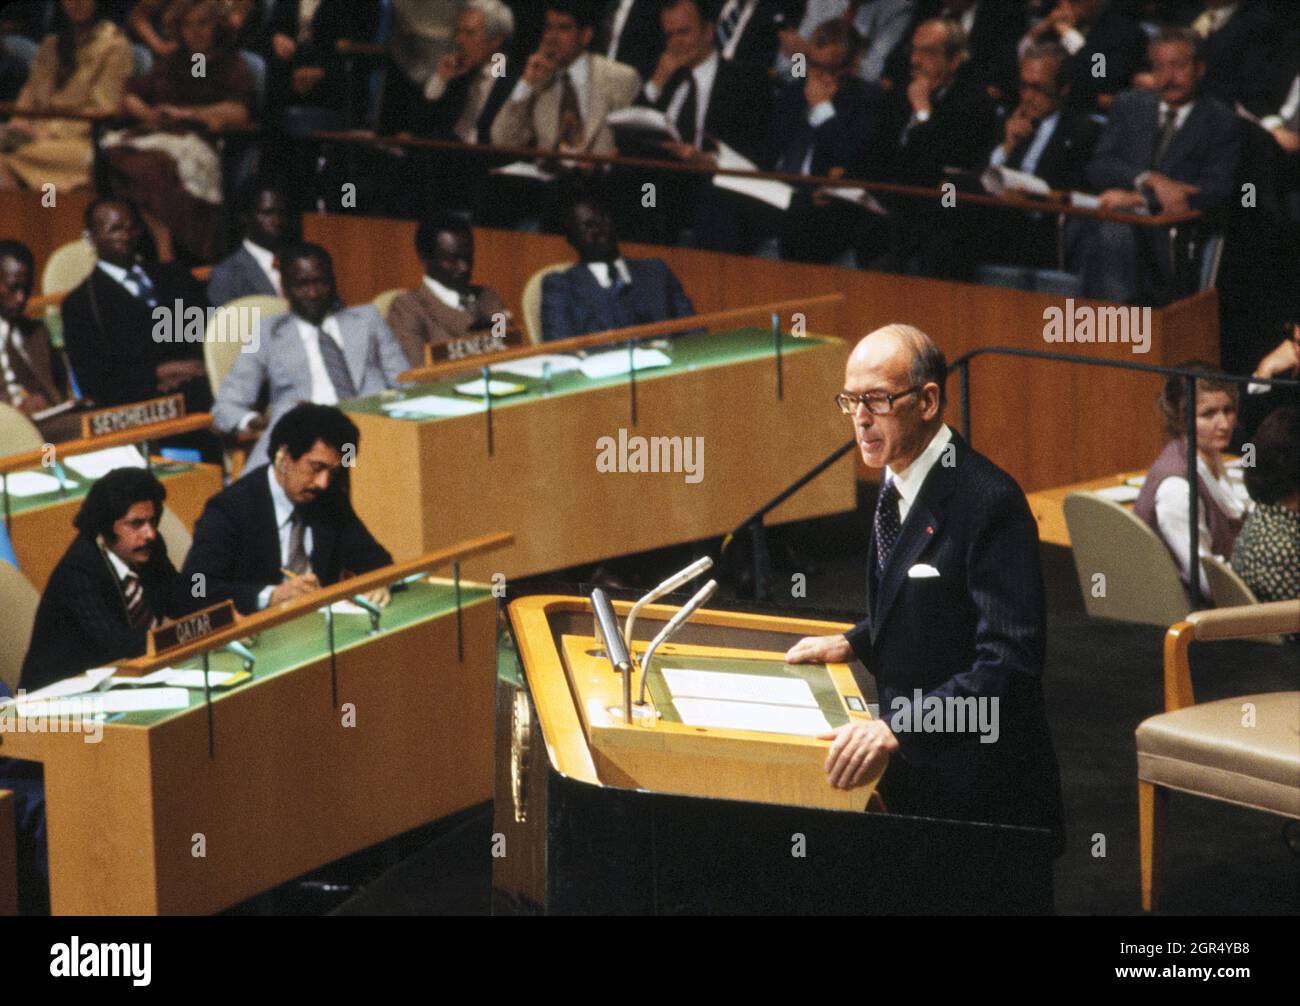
column 191, row 628
column 102, row 422
column 475, row 344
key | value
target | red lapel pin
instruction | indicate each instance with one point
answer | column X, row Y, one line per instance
column 929, row 530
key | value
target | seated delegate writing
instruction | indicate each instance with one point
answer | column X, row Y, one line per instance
column 286, row 528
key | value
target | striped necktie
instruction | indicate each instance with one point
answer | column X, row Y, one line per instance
column 335, row 365
column 138, row 615
column 298, row 562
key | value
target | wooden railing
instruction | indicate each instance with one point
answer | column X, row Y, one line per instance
column 246, row 625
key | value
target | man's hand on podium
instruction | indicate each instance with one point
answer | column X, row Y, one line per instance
column 859, row 752
column 820, row 650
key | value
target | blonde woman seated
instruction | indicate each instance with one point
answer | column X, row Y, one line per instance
column 1162, row 503
column 170, row 166
column 81, row 68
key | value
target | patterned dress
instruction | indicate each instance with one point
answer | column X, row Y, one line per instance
column 1267, row 552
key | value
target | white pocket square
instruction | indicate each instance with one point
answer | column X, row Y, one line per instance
column 921, row 571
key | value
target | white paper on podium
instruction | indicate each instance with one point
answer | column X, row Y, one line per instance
column 177, row 677
column 433, row 405
column 758, row 716
column 686, row 683
column 97, row 464
column 533, row 366
column 35, row 484
column 127, row 701
column 614, row 363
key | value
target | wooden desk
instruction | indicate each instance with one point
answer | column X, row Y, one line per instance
column 420, row 484
column 41, row 526
column 291, row 784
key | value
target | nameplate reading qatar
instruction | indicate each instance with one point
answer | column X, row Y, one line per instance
column 102, row 422
column 191, row 628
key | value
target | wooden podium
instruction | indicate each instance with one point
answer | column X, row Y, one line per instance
column 695, row 808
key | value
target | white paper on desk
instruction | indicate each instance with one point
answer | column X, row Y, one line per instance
column 127, row 701
column 495, row 388
column 345, row 607
column 75, row 685
column 177, row 678
column 1085, row 201
column 650, row 122
column 614, row 362
column 427, row 406
column 1118, row 494
column 35, row 484
column 1136, row 480
column 765, row 688
column 996, row 179
column 523, row 169
column 765, row 190
column 97, row 464
column 859, row 197
column 757, row 716
column 533, row 366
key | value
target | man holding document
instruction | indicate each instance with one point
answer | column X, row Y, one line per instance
column 955, row 624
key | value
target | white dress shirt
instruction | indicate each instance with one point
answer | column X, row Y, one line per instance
column 283, row 527
column 1171, row 514
column 265, row 258
column 1289, row 114
column 1180, row 117
column 616, row 28
column 908, row 482
column 705, row 74
column 126, row 278
column 601, row 271
column 444, row 293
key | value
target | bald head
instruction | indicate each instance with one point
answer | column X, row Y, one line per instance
column 904, row 363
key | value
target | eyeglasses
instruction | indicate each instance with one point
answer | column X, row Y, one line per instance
column 878, row 403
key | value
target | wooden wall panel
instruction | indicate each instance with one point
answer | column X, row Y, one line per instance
column 1048, row 424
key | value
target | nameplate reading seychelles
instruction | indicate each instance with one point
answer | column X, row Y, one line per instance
column 174, row 635
column 102, row 422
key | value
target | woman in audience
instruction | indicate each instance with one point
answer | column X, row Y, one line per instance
column 1267, row 553
column 81, row 68
column 1162, row 504
column 170, row 166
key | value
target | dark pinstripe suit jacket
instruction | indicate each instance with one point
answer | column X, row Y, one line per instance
column 978, row 629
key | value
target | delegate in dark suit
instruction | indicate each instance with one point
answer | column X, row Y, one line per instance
column 1117, row 263
column 82, row 622
column 109, row 336
column 976, row 630
column 574, row 303
column 237, row 545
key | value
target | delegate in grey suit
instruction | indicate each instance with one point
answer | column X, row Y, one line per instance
column 281, row 367
column 239, row 275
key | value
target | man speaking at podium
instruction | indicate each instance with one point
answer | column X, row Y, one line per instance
column 955, row 622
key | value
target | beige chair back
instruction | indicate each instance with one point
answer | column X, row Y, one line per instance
column 229, row 330
column 1140, row 579
column 17, row 432
column 1228, row 590
column 384, row 301
column 176, row 536
column 532, row 301
column 19, row 599
column 67, row 266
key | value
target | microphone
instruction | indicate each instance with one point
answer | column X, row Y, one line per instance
column 667, row 587
column 669, row 630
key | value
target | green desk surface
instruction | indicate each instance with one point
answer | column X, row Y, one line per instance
column 21, row 504
column 688, row 353
column 817, row 676
column 304, row 640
